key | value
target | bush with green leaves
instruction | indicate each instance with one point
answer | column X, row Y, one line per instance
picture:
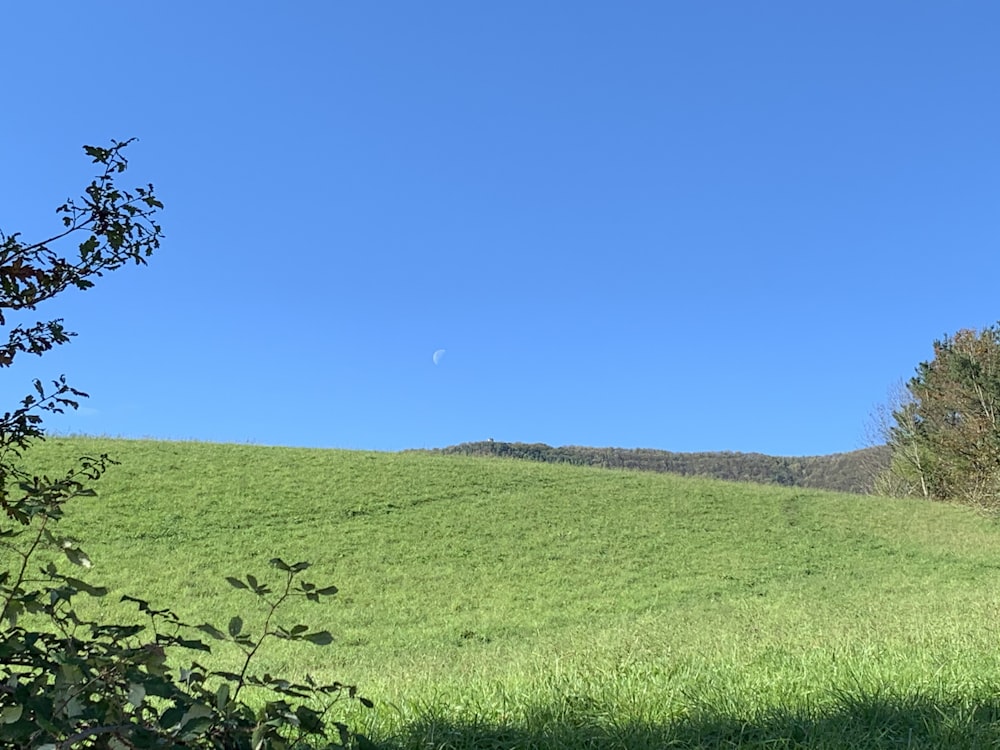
column 944, row 430
column 71, row 682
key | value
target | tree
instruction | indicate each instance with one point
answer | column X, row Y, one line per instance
column 66, row 682
column 893, row 466
column 944, row 433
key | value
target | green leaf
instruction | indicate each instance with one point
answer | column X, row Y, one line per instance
column 96, row 153
column 309, row 719
column 87, row 247
column 86, row 587
column 222, row 696
column 192, row 675
column 136, row 693
column 212, row 631
column 236, row 626
column 192, row 643
column 196, row 727
column 77, row 557
column 171, row 716
column 196, row 721
column 236, row 583
column 259, row 737
column 320, row 638
column 280, row 564
column 69, row 674
column 10, row 714
column 328, row 591
column 74, row 708
column 13, row 610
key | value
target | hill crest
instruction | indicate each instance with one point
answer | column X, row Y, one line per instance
column 842, row 472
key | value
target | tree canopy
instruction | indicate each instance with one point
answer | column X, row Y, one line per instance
column 944, row 433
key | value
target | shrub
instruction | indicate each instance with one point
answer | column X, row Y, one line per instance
column 69, row 682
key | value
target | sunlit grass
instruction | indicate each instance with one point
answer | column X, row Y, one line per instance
column 493, row 603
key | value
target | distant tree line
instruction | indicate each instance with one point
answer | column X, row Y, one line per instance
column 842, row 472
column 937, row 438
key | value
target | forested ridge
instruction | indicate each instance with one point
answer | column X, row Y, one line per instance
column 843, row 472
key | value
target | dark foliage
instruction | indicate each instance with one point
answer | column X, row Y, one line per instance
column 944, row 430
column 69, row 682
column 842, row 472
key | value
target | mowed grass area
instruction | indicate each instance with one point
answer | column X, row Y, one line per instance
column 488, row 603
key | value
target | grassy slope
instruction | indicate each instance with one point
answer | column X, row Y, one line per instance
column 497, row 603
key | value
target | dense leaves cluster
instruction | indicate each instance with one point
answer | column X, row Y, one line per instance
column 70, row 682
column 945, row 428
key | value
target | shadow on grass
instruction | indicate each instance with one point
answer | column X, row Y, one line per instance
column 872, row 721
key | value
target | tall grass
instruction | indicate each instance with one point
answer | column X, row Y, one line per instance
column 493, row 603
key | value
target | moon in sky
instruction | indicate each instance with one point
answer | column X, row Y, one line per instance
column 438, row 356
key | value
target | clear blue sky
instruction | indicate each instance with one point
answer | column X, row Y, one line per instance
column 676, row 225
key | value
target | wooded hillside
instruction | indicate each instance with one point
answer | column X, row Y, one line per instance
column 843, row 472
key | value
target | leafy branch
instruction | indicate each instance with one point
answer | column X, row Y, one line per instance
column 66, row 682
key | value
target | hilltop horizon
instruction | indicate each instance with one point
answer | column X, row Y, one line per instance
column 485, row 441
column 852, row 471
column 650, row 448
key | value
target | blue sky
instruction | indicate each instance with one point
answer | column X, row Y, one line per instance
column 686, row 226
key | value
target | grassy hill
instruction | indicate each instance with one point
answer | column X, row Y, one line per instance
column 841, row 472
column 515, row 604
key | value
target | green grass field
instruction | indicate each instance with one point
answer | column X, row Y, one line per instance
column 487, row 603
